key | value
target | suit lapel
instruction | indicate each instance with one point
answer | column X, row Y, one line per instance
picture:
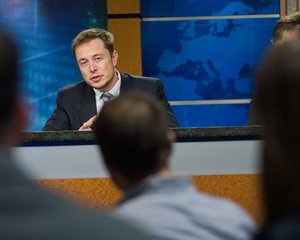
column 88, row 104
column 125, row 82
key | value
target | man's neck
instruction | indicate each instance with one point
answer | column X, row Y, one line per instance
column 129, row 184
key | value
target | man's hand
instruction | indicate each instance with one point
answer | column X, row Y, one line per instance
column 87, row 125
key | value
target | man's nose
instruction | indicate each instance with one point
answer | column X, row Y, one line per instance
column 92, row 67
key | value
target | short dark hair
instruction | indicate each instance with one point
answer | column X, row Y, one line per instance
column 132, row 132
column 289, row 23
column 91, row 34
column 277, row 101
column 8, row 80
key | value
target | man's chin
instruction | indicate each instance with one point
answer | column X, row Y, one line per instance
column 98, row 86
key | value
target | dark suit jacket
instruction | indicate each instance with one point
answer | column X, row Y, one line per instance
column 30, row 213
column 283, row 228
column 76, row 103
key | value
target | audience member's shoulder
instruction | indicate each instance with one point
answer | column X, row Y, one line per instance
column 217, row 217
column 61, row 219
column 223, row 206
column 226, row 213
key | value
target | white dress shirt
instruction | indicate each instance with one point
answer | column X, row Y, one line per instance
column 115, row 91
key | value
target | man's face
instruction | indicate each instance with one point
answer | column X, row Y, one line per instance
column 96, row 65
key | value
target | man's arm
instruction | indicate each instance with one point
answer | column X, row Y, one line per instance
column 161, row 96
column 59, row 119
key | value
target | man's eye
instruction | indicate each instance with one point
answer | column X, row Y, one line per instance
column 83, row 63
column 97, row 59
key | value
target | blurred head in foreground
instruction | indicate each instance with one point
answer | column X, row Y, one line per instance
column 133, row 135
column 12, row 117
column 278, row 104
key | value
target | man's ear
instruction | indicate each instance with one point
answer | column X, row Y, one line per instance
column 114, row 58
column 171, row 140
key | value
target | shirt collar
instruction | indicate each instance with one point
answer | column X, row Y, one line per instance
column 158, row 183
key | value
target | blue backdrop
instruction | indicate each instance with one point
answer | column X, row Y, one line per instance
column 208, row 59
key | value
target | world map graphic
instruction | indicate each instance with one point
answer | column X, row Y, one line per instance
column 209, row 59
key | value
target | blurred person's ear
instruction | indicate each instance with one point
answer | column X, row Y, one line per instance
column 171, row 140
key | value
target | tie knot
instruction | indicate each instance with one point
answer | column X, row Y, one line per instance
column 106, row 97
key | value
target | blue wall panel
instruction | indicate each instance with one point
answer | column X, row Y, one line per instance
column 198, row 64
column 211, row 59
column 211, row 115
column 183, row 8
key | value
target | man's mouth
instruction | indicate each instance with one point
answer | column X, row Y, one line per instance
column 96, row 77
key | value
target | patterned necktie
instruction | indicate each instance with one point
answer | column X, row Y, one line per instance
column 106, row 97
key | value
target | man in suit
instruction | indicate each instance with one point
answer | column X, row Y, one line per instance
column 79, row 104
column 27, row 211
column 136, row 144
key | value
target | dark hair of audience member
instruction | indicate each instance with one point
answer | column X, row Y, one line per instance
column 132, row 133
column 8, row 83
column 286, row 25
column 278, row 103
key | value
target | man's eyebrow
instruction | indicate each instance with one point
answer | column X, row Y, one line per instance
column 82, row 59
column 95, row 55
column 98, row 54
